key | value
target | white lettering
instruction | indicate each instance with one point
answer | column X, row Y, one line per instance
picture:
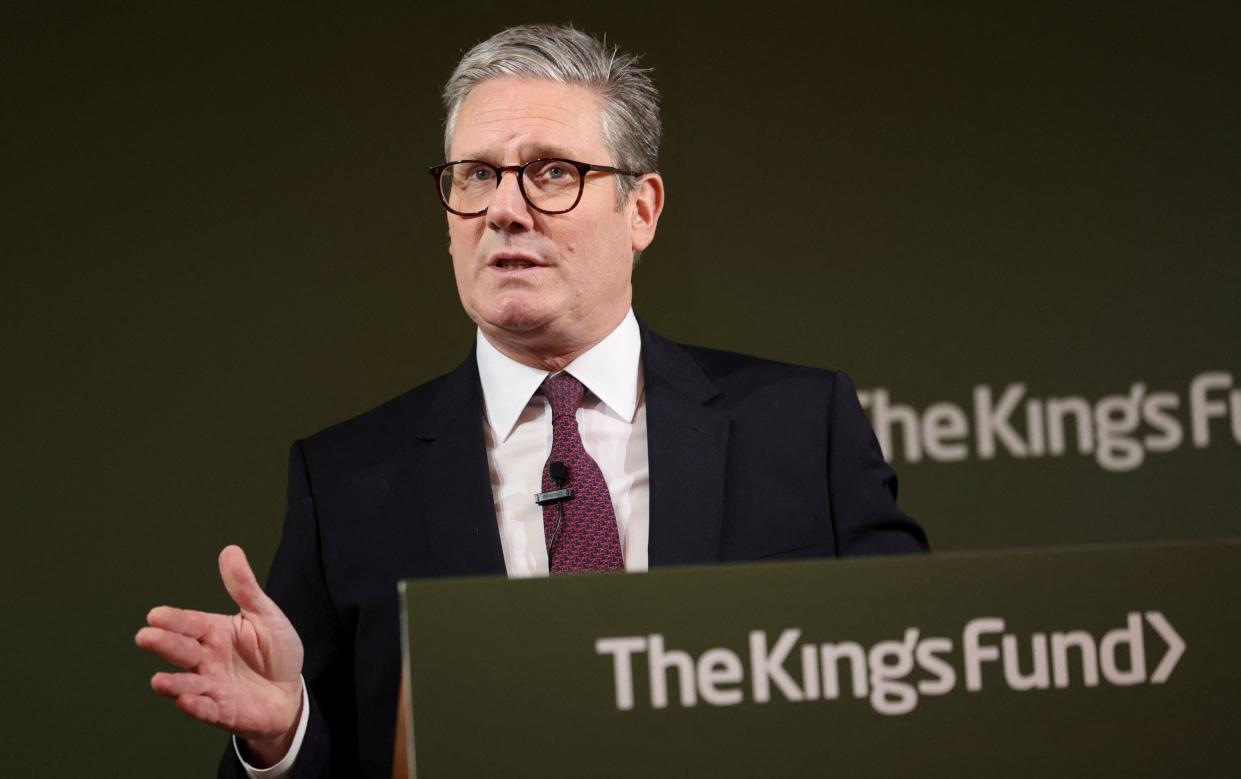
column 991, row 421
column 893, row 674
column 1035, row 428
column 659, row 662
column 717, row 667
column 884, row 416
column 975, row 653
column 1038, row 678
column 1116, row 417
column 621, row 648
column 1176, row 647
column 1057, row 410
column 889, row 695
column 945, row 677
column 1155, row 411
column 944, row 428
column 1119, row 429
column 1234, row 398
column 1202, row 410
column 1129, row 636
column 1060, row 645
column 810, row 686
column 831, row 654
column 766, row 668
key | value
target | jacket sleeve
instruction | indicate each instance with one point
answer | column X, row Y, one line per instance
column 862, row 486
column 299, row 585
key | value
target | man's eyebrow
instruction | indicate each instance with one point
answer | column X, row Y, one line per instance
column 536, row 152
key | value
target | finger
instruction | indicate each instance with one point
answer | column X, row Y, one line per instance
column 181, row 651
column 199, row 707
column 239, row 580
column 194, row 624
column 176, row 685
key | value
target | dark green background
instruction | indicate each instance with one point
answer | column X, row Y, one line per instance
column 219, row 236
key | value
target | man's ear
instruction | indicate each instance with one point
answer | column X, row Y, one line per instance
column 646, row 204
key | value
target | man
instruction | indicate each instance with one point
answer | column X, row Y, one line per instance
column 676, row 454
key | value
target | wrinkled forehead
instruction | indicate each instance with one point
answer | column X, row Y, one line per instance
column 510, row 119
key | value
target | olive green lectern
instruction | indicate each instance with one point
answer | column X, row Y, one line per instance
column 1109, row 661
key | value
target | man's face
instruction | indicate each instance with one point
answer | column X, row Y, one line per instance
column 545, row 285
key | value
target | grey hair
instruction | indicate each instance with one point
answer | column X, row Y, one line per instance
column 630, row 113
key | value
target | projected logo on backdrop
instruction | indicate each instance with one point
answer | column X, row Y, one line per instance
column 1118, row 430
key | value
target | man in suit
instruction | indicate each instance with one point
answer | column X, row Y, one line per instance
column 675, row 454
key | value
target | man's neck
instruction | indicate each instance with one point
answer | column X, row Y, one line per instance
column 538, row 351
column 539, row 358
column 611, row 371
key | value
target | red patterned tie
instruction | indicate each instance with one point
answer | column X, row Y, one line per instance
column 587, row 538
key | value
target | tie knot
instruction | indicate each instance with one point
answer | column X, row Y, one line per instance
column 564, row 393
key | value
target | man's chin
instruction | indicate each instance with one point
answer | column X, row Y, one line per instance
column 519, row 322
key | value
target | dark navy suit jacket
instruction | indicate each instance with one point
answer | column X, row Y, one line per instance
column 749, row 459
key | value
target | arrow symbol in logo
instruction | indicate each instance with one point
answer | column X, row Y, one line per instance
column 1176, row 646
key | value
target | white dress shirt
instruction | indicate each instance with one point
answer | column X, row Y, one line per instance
column 517, row 425
column 612, row 421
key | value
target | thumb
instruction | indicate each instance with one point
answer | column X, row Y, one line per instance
column 239, row 580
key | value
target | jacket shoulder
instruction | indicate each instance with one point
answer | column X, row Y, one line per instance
column 379, row 432
column 735, row 373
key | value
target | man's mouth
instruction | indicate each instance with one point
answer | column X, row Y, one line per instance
column 514, row 261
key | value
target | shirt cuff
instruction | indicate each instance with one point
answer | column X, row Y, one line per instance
column 285, row 766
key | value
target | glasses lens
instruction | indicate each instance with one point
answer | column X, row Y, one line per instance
column 552, row 185
column 468, row 186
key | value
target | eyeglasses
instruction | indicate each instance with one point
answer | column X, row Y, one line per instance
column 553, row 186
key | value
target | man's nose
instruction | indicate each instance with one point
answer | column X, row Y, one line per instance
column 509, row 211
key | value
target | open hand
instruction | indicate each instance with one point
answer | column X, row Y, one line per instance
column 242, row 671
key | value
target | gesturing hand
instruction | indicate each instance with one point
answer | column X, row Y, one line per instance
column 241, row 670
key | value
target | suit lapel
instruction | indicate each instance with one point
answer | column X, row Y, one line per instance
column 455, row 482
column 687, row 449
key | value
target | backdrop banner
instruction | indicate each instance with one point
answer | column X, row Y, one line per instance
column 1013, row 224
column 1103, row 661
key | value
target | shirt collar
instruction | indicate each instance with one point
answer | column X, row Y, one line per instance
column 610, row 370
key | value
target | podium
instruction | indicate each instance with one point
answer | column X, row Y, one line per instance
column 1107, row 661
